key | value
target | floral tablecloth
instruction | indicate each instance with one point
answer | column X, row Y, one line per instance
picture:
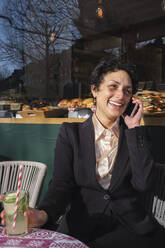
column 41, row 238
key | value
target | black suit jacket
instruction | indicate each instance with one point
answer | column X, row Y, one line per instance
column 90, row 208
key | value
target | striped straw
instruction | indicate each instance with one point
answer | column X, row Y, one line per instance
column 17, row 195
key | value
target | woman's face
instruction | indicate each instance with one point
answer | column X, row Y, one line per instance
column 112, row 96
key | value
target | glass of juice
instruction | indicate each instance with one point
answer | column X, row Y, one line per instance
column 21, row 223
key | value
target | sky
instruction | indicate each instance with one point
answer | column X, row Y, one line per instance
column 10, row 68
column 59, row 46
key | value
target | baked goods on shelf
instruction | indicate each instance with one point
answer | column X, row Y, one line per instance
column 88, row 102
column 25, row 107
column 39, row 109
column 39, row 113
column 153, row 102
column 76, row 103
column 64, row 103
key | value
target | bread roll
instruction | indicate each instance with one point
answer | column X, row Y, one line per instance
column 64, row 103
column 88, row 102
column 76, row 103
column 25, row 107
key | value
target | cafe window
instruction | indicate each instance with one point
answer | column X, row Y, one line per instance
column 49, row 47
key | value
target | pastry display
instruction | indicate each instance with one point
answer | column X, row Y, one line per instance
column 26, row 107
column 76, row 103
column 88, row 102
column 153, row 104
column 64, row 103
column 153, row 101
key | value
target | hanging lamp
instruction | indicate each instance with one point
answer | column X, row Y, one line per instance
column 163, row 5
column 100, row 9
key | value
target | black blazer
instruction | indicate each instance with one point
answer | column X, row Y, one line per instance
column 74, row 186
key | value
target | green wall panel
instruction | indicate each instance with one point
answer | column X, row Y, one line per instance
column 32, row 142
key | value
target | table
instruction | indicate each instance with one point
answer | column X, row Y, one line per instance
column 41, row 238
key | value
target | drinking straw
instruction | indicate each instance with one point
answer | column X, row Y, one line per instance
column 17, row 195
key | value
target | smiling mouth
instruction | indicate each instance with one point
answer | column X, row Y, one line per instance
column 115, row 103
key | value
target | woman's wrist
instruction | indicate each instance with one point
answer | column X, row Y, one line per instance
column 133, row 126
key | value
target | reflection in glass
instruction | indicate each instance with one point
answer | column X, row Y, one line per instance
column 41, row 32
column 100, row 9
column 163, row 5
column 48, row 48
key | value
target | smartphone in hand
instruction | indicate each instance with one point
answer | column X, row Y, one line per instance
column 132, row 109
column 135, row 109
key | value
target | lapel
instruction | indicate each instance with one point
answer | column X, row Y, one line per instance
column 88, row 157
column 120, row 164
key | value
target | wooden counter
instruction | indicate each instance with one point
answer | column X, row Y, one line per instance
column 34, row 120
column 153, row 121
column 146, row 120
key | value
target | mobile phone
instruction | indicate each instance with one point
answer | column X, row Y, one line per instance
column 134, row 110
column 131, row 109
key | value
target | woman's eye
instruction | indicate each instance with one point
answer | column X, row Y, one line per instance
column 113, row 86
column 128, row 92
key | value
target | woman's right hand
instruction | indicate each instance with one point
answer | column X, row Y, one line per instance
column 2, row 215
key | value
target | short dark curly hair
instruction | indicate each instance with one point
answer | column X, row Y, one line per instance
column 113, row 65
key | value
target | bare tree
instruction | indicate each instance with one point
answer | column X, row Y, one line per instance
column 37, row 30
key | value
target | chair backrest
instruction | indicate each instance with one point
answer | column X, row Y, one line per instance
column 158, row 206
column 155, row 199
column 32, row 177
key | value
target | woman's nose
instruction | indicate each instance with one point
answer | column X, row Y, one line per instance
column 120, row 94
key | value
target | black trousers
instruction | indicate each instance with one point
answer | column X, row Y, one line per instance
column 123, row 238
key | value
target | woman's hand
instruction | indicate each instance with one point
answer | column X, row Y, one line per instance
column 36, row 217
column 134, row 121
column 2, row 215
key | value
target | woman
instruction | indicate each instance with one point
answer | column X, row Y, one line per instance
column 101, row 166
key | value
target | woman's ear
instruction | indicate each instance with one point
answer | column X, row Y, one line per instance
column 93, row 90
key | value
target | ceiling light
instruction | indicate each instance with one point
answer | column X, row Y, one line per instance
column 52, row 37
column 100, row 9
column 163, row 5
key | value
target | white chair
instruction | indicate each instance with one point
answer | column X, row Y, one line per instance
column 32, row 177
column 154, row 200
column 158, row 206
column 158, row 209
